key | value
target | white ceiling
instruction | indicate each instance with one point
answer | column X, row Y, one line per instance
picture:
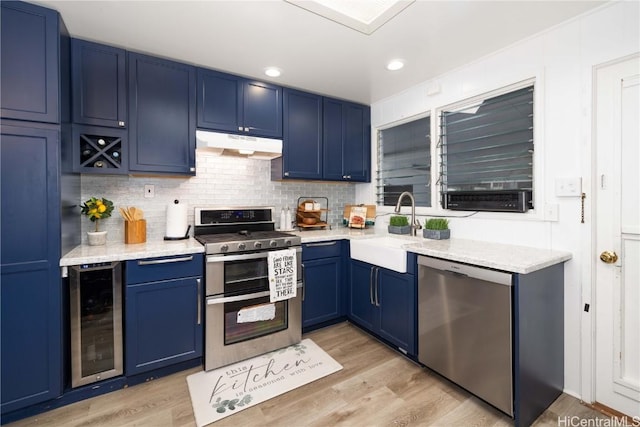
column 315, row 54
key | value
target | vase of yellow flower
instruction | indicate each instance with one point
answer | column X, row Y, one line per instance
column 97, row 209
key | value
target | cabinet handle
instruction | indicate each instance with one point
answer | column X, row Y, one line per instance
column 199, row 282
column 376, row 284
column 315, row 245
column 371, row 286
column 240, row 128
column 121, row 124
column 246, row 129
column 165, row 261
column 303, row 282
column 286, row 174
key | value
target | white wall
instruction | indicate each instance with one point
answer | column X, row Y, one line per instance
column 561, row 60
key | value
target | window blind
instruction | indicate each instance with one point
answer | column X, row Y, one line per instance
column 488, row 145
column 404, row 163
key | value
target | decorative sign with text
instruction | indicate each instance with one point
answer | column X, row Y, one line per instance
column 282, row 274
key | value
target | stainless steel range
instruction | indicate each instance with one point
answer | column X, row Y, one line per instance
column 237, row 242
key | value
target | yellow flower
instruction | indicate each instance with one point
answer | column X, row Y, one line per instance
column 99, row 202
column 101, row 207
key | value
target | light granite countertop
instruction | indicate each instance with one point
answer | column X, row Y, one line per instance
column 85, row 254
column 511, row 258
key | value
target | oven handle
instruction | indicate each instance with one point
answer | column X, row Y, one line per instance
column 256, row 255
column 221, row 299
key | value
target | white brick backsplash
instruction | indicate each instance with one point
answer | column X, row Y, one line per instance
column 219, row 181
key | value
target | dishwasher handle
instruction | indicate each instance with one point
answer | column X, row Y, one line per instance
column 464, row 270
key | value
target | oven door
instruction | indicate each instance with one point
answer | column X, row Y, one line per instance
column 241, row 322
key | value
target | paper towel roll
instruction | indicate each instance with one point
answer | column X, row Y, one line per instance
column 176, row 220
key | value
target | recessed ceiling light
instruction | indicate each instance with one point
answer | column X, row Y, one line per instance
column 272, row 71
column 395, row 65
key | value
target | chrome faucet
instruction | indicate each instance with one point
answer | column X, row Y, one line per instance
column 414, row 226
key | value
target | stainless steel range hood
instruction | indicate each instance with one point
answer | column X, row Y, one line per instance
column 224, row 144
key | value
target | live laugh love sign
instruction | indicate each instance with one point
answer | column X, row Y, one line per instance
column 230, row 389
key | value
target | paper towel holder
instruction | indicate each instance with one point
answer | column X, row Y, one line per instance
column 186, row 234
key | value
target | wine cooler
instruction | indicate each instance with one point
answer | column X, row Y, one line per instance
column 96, row 322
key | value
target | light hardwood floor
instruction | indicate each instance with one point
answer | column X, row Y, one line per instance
column 377, row 387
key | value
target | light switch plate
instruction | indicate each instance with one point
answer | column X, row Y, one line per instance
column 568, row 187
column 550, row 212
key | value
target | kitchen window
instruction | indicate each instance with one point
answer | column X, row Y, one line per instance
column 488, row 143
column 404, row 162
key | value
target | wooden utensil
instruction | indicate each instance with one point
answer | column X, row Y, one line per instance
column 138, row 214
column 125, row 214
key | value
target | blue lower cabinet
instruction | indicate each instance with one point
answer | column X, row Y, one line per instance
column 163, row 320
column 362, row 309
column 385, row 303
column 322, row 292
column 324, row 299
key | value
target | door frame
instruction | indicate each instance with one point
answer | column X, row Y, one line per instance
column 589, row 249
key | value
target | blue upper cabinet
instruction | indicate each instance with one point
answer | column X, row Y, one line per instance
column 233, row 104
column 99, row 85
column 162, row 116
column 302, row 137
column 30, row 62
column 346, row 141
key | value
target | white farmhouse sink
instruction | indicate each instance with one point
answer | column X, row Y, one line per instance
column 384, row 252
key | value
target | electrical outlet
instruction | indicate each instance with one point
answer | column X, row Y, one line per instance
column 568, row 187
column 149, row 191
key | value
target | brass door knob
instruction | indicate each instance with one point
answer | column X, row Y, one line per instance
column 608, row 257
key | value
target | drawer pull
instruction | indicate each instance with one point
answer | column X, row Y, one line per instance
column 165, row 261
column 317, row 245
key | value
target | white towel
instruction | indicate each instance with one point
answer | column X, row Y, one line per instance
column 282, row 274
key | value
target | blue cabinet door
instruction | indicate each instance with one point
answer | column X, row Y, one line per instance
column 262, row 109
column 99, row 86
column 29, row 66
column 322, row 291
column 346, row 141
column 357, row 143
column 163, row 323
column 230, row 103
column 31, row 320
column 332, row 139
column 162, row 120
column 219, row 101
column 302, row 135
column 361, row 307
column 397, row 308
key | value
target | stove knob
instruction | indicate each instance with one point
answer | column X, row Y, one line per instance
column 224, row 248
column 287, row 242
column 258, row 245
column 242, row 246
column 273, row 243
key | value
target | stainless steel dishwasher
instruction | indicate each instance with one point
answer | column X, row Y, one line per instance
column 464, row 329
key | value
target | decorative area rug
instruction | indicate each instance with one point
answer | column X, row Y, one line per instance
column 222, row 392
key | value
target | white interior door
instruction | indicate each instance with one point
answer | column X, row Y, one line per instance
column 617, row 302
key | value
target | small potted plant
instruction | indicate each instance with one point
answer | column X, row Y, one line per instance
column 399, row 224
column 97, row 209
column 436, row 228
